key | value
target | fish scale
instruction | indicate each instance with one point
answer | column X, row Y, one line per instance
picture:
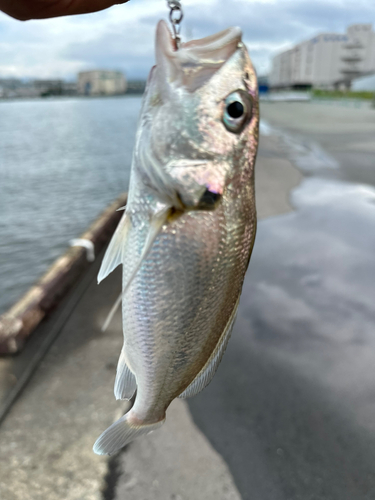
column 186, row 237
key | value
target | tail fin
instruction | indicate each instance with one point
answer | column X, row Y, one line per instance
column 121, row 433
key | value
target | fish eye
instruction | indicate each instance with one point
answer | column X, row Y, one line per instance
column 237, row 111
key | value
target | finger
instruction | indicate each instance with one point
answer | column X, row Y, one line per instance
column 72, row 7
column 42, row 9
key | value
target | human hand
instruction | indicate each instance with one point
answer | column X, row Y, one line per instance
column 41, row 9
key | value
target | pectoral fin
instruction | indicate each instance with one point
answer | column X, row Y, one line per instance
column 205, row 376
column 114, row 254
column 156, row 223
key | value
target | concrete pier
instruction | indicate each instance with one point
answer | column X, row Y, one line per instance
column 259, row 431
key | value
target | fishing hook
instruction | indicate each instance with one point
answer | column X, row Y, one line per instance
column 175, row 16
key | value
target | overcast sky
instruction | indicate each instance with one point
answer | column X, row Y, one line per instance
column 122, row 37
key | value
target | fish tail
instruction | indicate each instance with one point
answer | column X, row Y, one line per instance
column 121, row 433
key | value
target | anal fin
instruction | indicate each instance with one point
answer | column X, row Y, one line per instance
column 207, row 373
column 125, row 383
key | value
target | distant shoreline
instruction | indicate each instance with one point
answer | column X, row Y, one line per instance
column 70, row 97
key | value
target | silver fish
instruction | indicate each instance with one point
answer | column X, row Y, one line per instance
column 186, row 237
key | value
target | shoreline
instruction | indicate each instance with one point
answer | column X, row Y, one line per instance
column 68, row 97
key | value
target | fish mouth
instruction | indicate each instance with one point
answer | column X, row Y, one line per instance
column 185, row 184
column 209, row 200
column 196, row 61
column 199, row 185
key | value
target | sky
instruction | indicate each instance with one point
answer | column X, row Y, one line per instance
column 122, row 37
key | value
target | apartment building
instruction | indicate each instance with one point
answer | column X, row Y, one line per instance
column 101, row 82
column 329, row 60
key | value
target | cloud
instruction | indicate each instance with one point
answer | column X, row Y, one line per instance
column 122, row 37
column 121, row 47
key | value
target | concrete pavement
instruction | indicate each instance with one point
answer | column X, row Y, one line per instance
column 289, row 414
column 46, row 439
column 338, row 137
column 291, row 408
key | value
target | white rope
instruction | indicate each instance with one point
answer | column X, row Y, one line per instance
column 89, row 245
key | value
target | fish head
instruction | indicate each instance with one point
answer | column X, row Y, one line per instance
column 200, row 119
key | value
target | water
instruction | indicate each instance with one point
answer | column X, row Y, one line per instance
column 61, row 163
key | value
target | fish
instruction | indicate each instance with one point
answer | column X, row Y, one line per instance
column 188, row 230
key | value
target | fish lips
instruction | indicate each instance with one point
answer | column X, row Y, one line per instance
column 199, row 184
column 196, row 61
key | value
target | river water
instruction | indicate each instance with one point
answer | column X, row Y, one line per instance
column 61, row 163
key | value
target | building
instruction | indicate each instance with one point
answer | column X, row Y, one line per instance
column 101, row 82
column 49, row 88
column 329, row 60
column 11, row 88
